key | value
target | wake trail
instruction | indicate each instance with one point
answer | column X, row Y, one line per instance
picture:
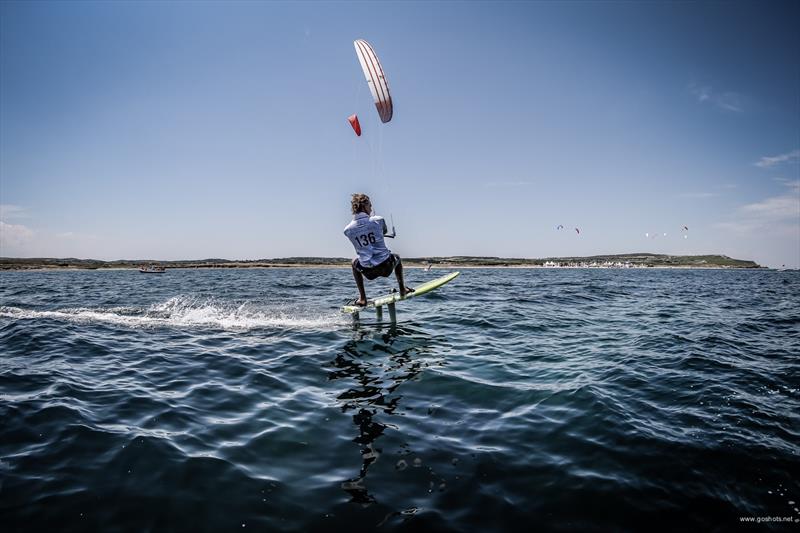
column 187, row 311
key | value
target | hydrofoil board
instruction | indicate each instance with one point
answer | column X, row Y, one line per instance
column 390, row 299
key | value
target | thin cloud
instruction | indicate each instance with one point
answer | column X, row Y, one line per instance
column 737, row 227
column 702, row 93
column 17, row 240
column 767, row 162
column 785, row 206
column 784, row 181
column 72, row 236
column 14, row 235
column 20, row 240
column 698, row 195
column 10, row 211
column 777, row 211
column 727, row 101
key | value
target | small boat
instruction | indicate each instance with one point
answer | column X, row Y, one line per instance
column 152, row 269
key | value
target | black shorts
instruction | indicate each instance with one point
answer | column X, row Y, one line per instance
column 382, row 270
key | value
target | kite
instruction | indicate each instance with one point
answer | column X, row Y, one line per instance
column 353, row 120
column 376, row 79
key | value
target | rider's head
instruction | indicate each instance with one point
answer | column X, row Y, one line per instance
column 359, row 203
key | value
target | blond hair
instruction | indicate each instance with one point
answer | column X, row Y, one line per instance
column 358, row 203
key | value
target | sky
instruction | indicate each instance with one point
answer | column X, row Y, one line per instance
column 183, row 130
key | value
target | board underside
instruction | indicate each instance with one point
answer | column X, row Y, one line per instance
column 395, row 296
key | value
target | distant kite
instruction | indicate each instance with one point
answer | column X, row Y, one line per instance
column 577, row 231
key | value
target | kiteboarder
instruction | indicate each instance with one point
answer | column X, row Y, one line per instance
column 374, row 259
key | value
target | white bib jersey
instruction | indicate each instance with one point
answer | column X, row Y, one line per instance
column 366, row 233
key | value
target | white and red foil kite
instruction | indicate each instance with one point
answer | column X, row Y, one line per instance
column 376, row 79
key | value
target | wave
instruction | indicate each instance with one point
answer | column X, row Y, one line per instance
column 188, row 311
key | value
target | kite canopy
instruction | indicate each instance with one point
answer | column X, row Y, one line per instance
column 373, row 72
column 353, row 120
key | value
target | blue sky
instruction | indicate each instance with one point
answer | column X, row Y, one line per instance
column 191, row 130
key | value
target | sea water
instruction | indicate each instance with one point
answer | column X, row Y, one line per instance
column 509, row 399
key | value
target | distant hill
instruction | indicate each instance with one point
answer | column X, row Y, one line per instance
column 633, row 260
column 640, row 260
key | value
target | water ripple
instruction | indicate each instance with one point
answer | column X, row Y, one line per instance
column 569, row 399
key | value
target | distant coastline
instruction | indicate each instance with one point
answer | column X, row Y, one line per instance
column 640, row 260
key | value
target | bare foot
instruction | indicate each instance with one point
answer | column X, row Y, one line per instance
column 404, row 291
column 361, row 302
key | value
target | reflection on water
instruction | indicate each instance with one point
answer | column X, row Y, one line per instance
column 377, row 361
